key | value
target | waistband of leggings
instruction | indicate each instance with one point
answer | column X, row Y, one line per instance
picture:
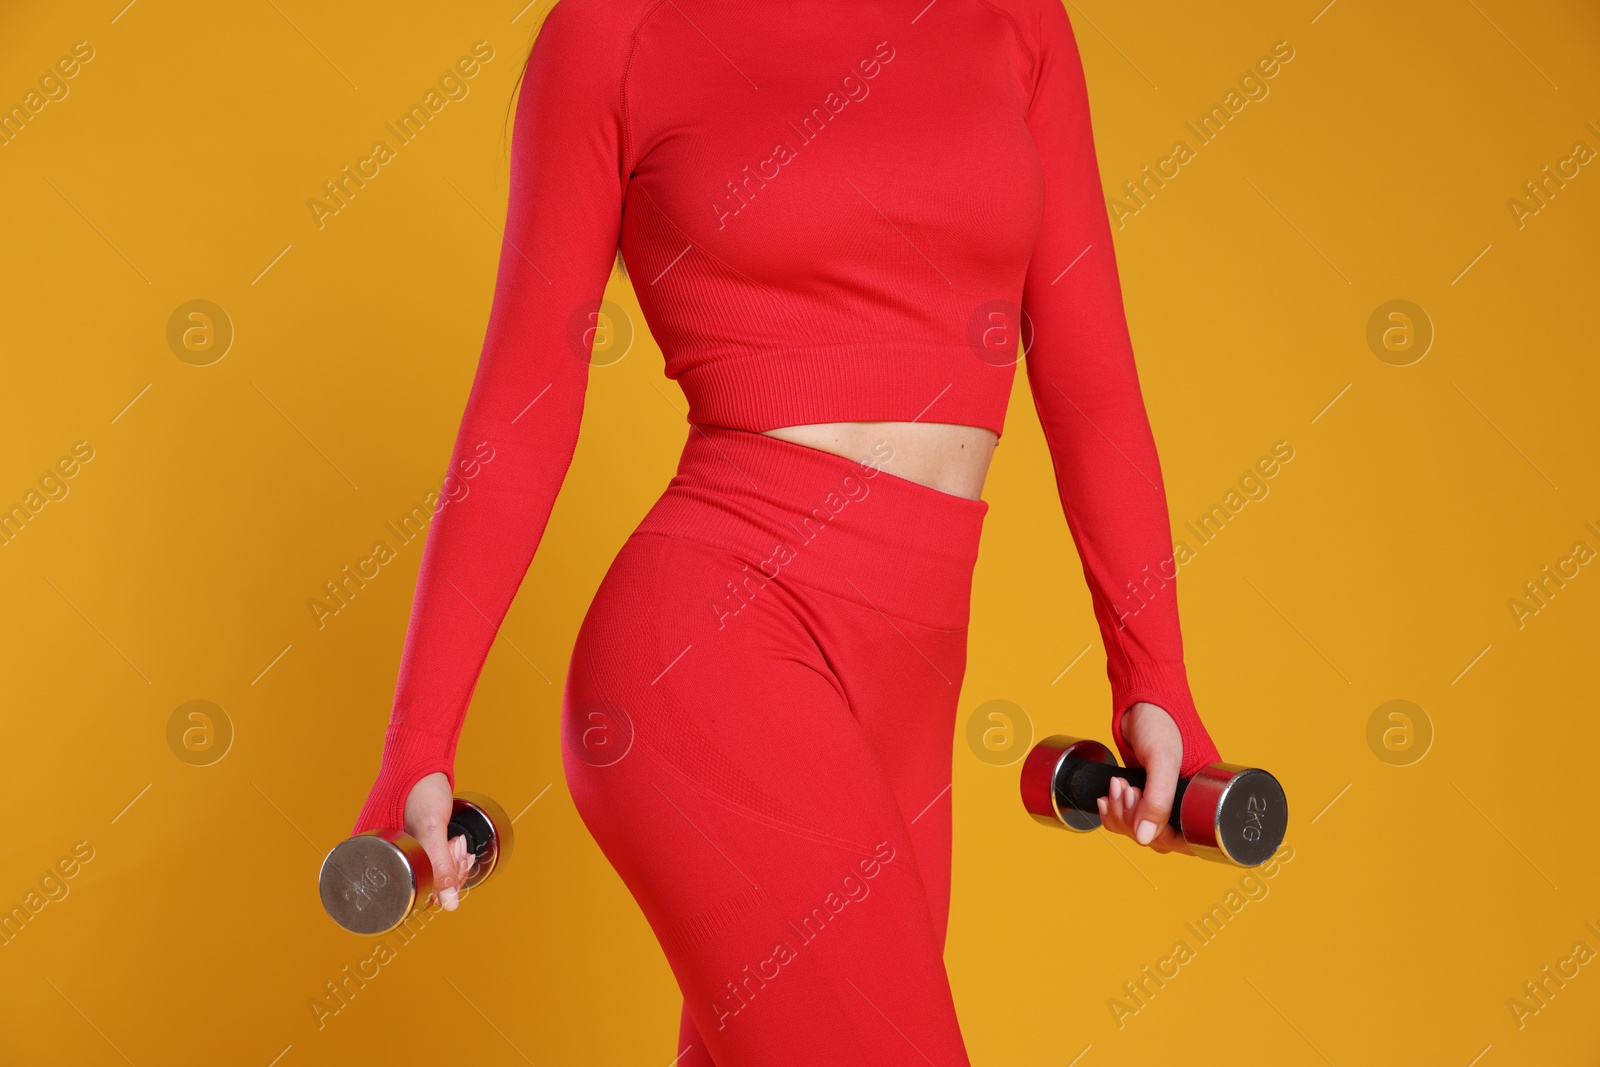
column 845, row 526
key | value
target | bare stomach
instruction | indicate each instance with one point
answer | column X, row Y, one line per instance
column 952, row 459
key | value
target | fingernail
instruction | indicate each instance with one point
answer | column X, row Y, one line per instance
column 449, row 898
column 1146, row 831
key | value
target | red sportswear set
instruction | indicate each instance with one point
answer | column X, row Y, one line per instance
column 830, row 211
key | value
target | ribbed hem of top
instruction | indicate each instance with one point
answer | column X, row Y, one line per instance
column 1167, row 687
column 876, row 381
column 408, row 757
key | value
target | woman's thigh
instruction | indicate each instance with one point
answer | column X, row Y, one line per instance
column 718, row 762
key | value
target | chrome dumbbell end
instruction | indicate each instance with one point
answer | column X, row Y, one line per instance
column 1040, row 777
column 488, row 832
column 370, row 883
column 1233, row 814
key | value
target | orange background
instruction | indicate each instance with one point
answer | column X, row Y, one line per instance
column 1422, row 893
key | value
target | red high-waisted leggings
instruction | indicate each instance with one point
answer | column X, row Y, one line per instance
column 757, row 729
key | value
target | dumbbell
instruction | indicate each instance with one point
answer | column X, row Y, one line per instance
column 1226, row 813
column 371, row 883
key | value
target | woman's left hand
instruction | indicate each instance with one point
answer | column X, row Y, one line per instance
column 1142, row 814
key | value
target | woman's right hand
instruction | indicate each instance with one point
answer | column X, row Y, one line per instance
column 428, row 808
column 1143, row 814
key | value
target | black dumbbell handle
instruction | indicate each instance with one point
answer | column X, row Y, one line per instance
column 475, row 828
column 1080, row 783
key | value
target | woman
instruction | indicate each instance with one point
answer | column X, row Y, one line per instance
column 837, row 216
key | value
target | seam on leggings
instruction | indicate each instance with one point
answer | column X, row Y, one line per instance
column 853, row 848
column 781, row 817
column 698, row 761
column 920, row 623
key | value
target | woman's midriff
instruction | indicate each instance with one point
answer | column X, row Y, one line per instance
column 847, row 526
column 953, row 459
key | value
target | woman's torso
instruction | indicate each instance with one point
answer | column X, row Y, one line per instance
column 829, row 215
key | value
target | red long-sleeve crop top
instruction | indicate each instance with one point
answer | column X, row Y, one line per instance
column 830, row 211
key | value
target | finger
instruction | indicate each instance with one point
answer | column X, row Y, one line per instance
column 1110, row 814
column 1155, row 807
column 1173, row 841
column 1125, row 793
column 466, row 860
column 1118, row 803
column 1117, row 808
column 442, row 854
column 1104, row 806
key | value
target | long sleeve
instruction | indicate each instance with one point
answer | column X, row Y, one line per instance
column 568, row 173
column 1085, row 386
